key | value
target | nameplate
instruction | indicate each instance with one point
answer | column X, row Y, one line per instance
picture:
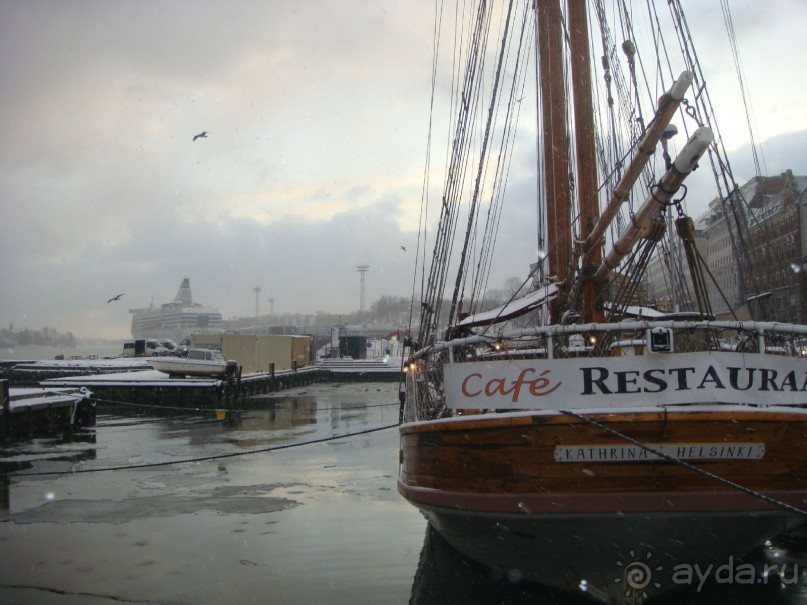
column 680, row 451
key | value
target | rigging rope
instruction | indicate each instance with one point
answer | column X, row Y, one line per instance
column 201, row 458
column 474, row 208
column 685, row 229
column 468, row 97
column 503, row 165
column 424, row 194
column 735, row 54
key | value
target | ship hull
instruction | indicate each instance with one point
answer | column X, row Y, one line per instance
column 595, row 553
column 497, row 489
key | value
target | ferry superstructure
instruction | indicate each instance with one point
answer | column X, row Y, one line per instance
column 177, row 319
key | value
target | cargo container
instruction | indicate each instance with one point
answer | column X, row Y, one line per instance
column 257, row 353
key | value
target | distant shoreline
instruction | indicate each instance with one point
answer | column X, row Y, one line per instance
column 82, row 349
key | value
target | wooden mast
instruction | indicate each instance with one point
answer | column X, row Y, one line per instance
column 587, row 188
column 554, row 145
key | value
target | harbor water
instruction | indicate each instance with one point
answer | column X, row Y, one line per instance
column 274, row 505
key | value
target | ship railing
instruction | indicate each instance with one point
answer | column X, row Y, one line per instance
column 605, row 339
column 425, row 394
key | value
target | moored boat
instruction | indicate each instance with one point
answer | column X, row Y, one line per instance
column 198, row 362
column 695, row 482
column 571, row 435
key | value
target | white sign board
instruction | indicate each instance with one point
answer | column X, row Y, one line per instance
column 705, row 377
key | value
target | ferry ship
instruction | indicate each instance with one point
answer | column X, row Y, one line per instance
column 175, row 320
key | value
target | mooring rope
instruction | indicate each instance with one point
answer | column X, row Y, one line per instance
column 685, row 464
column 202, row 458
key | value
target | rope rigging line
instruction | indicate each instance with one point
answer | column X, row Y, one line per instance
column 700, row 111
column 623, row 111
column 202, row 458
column 636, row 264
column 686, row 464
column 735, row 54
column 474, row 208
column 424, row 195
column 503, row 165
column 459, row 148
column 704, row 266
column 685, row 229
column 734, row 206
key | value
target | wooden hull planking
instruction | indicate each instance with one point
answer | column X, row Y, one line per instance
column 492, row 487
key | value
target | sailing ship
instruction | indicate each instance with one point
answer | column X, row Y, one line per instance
column 574, row 435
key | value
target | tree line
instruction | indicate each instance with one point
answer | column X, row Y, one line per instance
column 386, row 310
column 45, row 337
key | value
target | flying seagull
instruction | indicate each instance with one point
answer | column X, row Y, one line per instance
column 115, row 298
column 402, row 248
column 201, row 135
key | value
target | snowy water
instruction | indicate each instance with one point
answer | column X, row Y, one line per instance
column 311, row 523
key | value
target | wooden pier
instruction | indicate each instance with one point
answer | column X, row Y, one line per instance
column 54, row 398
column 154, row 388
column 384, row 369
column 32, row 372
column 35, row 411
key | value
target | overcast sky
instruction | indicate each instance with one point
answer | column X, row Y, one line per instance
column 317, row 114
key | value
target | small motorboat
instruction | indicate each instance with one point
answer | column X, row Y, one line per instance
column 199, row 362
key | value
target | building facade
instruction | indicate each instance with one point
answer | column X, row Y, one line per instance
column 755, row 248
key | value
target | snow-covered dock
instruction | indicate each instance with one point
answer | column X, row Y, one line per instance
column 44, row 410
column 124, row 380
column 157, row 388
column 34, row 371
column 377, row 369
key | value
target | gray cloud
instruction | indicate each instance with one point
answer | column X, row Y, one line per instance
column 317, row 113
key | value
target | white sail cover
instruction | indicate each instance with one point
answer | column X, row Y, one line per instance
column 514, row 308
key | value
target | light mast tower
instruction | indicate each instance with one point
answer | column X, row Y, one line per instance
column 362, row 269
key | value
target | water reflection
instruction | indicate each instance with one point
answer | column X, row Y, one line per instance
column 270, row 422
column 445, row 576
column 316, row 523
column 71, row 449
column 317, row 520
column 5, row 494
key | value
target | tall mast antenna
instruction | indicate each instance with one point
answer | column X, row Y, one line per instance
column 257, row 291
column 362, row 269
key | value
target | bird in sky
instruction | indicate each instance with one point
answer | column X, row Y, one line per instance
column 115, row 298
column 403, row 248
column 201, row 135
